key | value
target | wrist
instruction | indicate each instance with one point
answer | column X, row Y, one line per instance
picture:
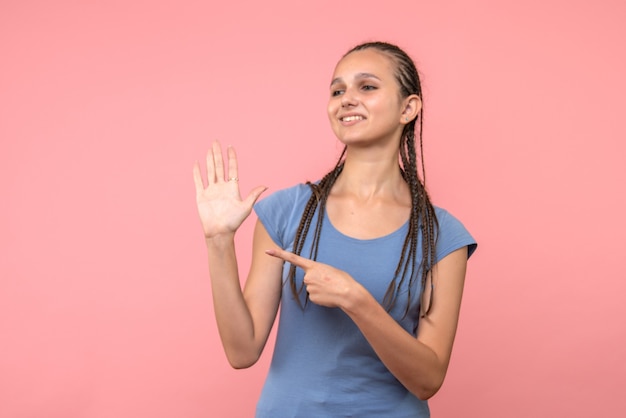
column 220, row 240
column 357, row 300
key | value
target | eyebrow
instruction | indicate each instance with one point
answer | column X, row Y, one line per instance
column 358, row 76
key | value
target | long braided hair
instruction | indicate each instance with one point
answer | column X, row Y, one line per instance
column 422, row 218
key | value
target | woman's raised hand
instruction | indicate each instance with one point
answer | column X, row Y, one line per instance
column 220, row 206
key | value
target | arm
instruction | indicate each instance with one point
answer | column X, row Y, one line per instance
column 244, row 318
column 420, row 364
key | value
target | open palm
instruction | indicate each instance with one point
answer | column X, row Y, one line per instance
column 220, row 206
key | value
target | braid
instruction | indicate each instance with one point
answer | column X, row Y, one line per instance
column 318, row 198
column 422, row 222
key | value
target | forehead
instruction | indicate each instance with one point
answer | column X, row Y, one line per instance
column 369, row 61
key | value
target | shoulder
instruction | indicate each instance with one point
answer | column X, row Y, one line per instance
column 281, row 211
column 452, row 234
column 284, row 198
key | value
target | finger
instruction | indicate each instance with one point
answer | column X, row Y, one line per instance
column 296, row 260
column 232, row 164
column 254, row 195
column 210, row 167
column 218, row 161
column 197, row 178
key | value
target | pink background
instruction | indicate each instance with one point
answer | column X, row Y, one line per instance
column 105, row 307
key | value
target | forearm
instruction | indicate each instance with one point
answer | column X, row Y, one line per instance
column 419, row 363
column 234, row 321
column 413, row 363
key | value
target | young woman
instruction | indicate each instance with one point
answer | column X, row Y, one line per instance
column 368, row 273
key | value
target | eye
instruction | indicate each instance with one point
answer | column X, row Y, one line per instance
column 335, row 93
column 368, row 87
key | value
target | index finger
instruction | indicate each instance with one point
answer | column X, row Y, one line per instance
column 296, row 260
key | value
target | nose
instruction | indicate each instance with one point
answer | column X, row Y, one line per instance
column 348, row 98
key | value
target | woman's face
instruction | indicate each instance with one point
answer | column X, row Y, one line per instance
column 365, row 104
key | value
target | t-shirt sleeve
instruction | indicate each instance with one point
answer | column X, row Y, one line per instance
column 452, row 235
column 278, row 213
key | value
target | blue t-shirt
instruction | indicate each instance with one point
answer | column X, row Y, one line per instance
column 322, row 364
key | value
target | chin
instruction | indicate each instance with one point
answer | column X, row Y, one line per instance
column 352, row 141
column 348, row 138
column 357, row 140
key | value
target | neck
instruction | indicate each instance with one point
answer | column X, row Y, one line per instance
column 370, row 173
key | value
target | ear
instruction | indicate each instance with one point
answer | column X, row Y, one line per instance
column 412, row 106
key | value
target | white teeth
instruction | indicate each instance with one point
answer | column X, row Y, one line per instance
column 351, row 118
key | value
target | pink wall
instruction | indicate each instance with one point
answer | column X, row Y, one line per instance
column 105, row 308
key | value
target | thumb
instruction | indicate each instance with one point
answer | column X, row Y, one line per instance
column 254, row 195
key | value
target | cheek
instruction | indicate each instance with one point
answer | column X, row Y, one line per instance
column 331, row 108
column 331, row 111
column 386, row 108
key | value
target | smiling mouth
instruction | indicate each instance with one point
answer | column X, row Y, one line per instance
column 351, row 118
